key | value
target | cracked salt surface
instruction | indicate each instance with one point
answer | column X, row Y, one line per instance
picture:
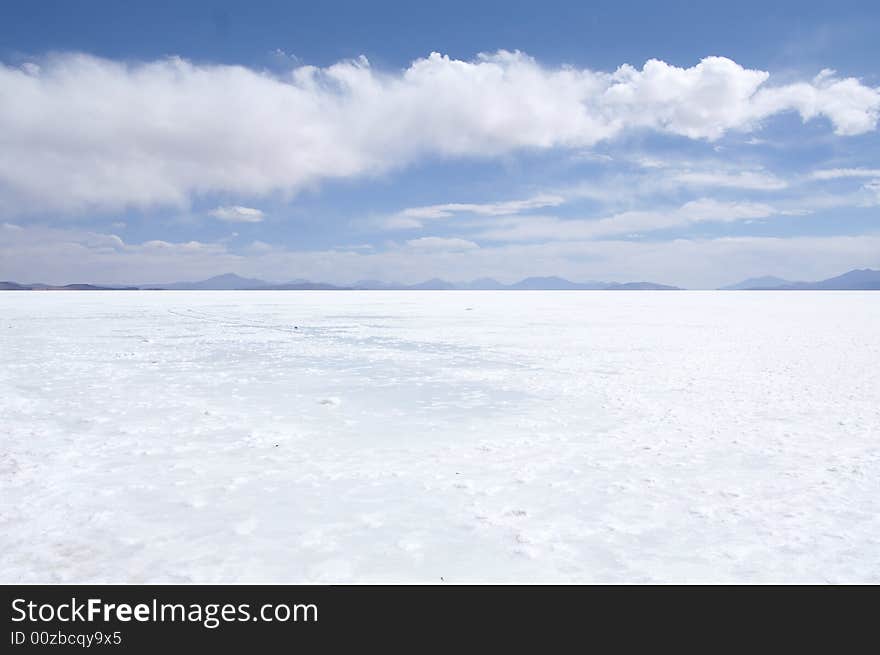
column 413, row 436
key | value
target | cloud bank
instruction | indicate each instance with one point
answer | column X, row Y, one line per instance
column 74, row 255
column 82, row 133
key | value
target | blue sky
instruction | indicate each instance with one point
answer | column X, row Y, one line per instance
column 150, row 142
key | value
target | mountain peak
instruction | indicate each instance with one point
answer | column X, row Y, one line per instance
column 855, row 280
column 765, row 281
column 231, row 277
column 223, row 282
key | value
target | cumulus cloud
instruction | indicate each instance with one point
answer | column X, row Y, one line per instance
column 237, row 214
column 82, row 133
column 852, row 107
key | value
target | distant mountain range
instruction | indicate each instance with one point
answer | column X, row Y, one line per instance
column 528, row 284
column 15, row 286
column 858, row 280
column 766, row 282
column 226, row 282
column 233, row 282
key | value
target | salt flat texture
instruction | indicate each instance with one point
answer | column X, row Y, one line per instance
column 439, row 436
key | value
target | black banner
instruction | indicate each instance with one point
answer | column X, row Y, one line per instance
column 151, row 618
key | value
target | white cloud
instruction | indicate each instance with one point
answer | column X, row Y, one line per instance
column 399, row 222
column 441, row 244
column 750, row 180
column 549, row 228
column 852, row 107
column 83, row 133
column 258, row 246
column 355, row 246
column 483, row 209
column 657, row 178
column 415, row 217
column 237, row 214
column 836, row 173
column 711, row 172
column 45, row 254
